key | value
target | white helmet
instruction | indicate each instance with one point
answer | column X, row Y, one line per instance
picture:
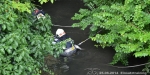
column 60, row 32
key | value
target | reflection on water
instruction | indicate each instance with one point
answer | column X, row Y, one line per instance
column 57, row 65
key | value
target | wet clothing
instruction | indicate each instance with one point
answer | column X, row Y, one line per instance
column 70, row 49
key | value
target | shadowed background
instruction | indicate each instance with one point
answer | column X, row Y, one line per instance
column 61, row 12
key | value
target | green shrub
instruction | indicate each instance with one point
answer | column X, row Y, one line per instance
column 125, row 23
column 24, row 42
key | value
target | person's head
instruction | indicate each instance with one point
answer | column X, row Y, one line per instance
column 60, row 32
column 36, row 10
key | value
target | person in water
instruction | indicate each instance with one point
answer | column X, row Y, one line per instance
column 39, row 13
column 70, row 49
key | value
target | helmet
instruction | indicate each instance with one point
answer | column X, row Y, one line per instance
column 60, row 32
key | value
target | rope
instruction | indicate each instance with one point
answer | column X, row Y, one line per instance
column 61, row 26
column 105, row 64
column 83, row 41
column 76, row 33
column 88, row 38
column 129, row 66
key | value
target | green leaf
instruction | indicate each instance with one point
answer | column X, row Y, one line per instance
column 15, row 44
column 21, row 67
column 9, row 51
column 36, row 54
column 33, row 42
column 2, row 50
column 9, row 67
column 22, row 54
column 93, row 28
column 4, row 27
column 143, row 53
column 11, row 40
column 19, row 58
column 43, row 46
column 12, row 19
column 30, row 70
column 51, row 52
column 20, row 70
column 52, row 1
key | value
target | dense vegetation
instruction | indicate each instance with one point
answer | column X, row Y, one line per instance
column 25, row 41
column 125, row 25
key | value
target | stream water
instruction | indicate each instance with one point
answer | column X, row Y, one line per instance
column 92, row 60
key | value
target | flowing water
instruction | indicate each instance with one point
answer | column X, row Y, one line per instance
column 92, row 60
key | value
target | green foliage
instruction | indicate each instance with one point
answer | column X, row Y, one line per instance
column 122, row 57
column 21, row 6
column 24, row 42
column 125, row 24
column 45, row 1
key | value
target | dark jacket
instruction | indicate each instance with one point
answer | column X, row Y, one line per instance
column 64, row 37
column 70, row 49
column 36, row 12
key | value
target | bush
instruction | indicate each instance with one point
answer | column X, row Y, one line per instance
column 24, row 42
column 125, row 23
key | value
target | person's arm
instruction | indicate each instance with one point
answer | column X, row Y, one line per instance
column 56, row 40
